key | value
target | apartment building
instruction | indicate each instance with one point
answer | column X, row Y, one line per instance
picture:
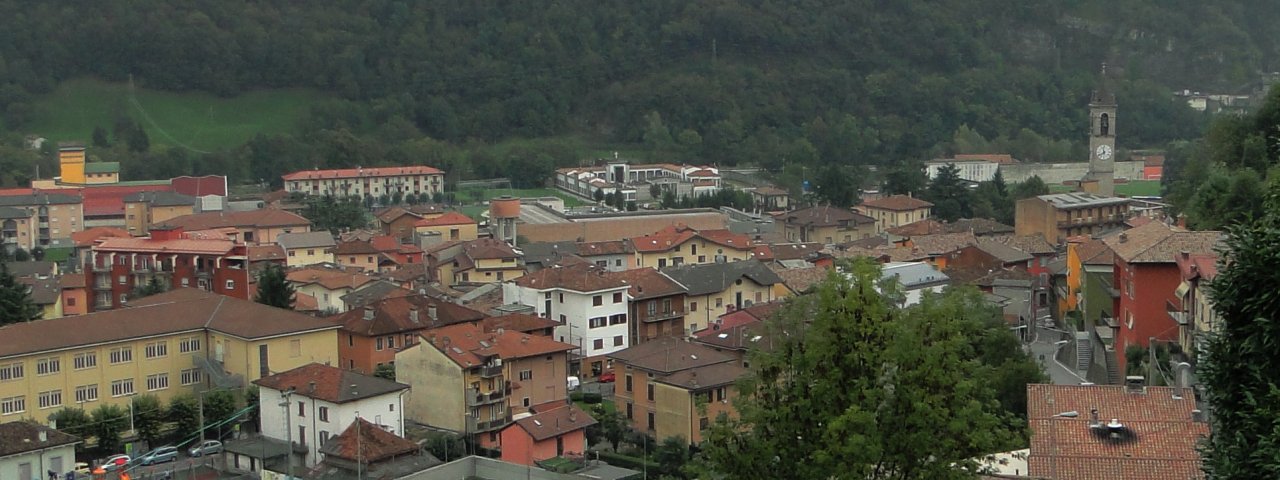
column 118, row 266
column 34, row 220
column 310, row 248
column 380, row 253
column 895, row 211
column 449, row 226
column 1062, row 215
column 322, row 400
column 718, row 288
column 399, row 221
column 679, row 245
column 181, row 341
column 371, row 336
column 362, row 182
column 826, row 224
column 467, row 380
column 476, row 262
column 144, row 209
column 590, row 304
column 328, row 284
column 661, row 383
column 254, row 227
column 657, row 304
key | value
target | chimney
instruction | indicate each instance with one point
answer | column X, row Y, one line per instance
column 311, row 387
column 1136, row 384
column 413, row 314
column 368, row 313
column 1185, row 254
column 44, row 436
column 1124, row 237
column 1182, row 221
column 431, row 312
column 1093, row 418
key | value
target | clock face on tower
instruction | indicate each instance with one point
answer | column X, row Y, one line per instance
column 1104, row 152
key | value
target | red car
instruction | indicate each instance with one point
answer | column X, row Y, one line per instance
column 607, row 377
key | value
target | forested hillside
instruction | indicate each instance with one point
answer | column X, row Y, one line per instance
column 726, row 81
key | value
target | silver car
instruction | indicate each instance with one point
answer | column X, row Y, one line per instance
column 159, row 455
column 207, row 447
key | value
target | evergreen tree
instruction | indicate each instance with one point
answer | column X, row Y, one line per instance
column 950, row 196
column 108, row 422
column 274, row 288
column 1032, row 187
column 905, row 180
column 100, row 137
column 1242, row 371
column 15, row 299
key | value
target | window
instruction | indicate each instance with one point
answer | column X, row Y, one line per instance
column 597, row 344
column 618, row 319
column 561, row 297
column 662, row 263
column 597, row 322
column 526, row 375
column 649, row 394
column 87, row 393
column 124, row 297
column 563, row 319
column 121, row 279
column 630, row 411
column 12, row 371
column 231, row 284
column 122, row 355
column 653, row 307
column 1128, row 320
column 48, row 366
column 650, row 420
column 157, row 349
column 302, row 410
column 120, row 388
column 190, row 376
column 71, row 301
column 50, row 399
column 379, row 347
column 302, row 435
column 351, row 340
column 391, row 342
column 721, row 393
column 324, row 437
column 617, row 341
column 627, row 381
column 617, row 263
column 159, row 381
column 693, row 306
column 323, row 413
column 1129, row 289
column 189, row 344
column 12, row 405
column 310, row 251
column 703, row 423
column 597, row 300
column 719, row 302
column 617, row 297
column 292, row 253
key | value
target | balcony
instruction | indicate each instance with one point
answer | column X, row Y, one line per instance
column 490, row 425
column 475, row 398
column 491, row 371
column 662, row 316
column 1183, row 318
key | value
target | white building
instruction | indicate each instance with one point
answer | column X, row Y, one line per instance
column 316, row 402
column 359, row 182
column 28, row 450
column 915, row 278
column 971, row 170
column 590, row 305
column 621, row 177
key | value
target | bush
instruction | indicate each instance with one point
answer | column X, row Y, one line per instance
column 624, row 461
column 592, row 398
column 575, row 396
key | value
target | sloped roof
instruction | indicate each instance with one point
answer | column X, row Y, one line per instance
column 266, row 217
column 647, row 283
column 262, row 253
column 392, row 315
column 800, row 280
column 927, row 226
column 355, row 247
column 331, row 384
column 488, row 249
column 667, row 355
column 178, row 310
column 705, row 376
column 943, row 243
column 1034, row 244
column 321, row 239
column 914, row 274
column 31, row 268
column 824, row 216
column 716, row 277
column 448, row 218
column 161, row 198
column 1001, row 251
column 607, row 247
column 1156, row 242
column 468, row 345
column 180, row 245
column 518, row 322
column 578, row 277
column 978, row 226
column 374, row 291
column 46, row 291
column 555, row 422
column 1095, row 252
column 24, row 436
column 87, row 237
column 896, row 203
column 367, row 443
column 329, row 278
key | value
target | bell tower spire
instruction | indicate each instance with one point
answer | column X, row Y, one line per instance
column 1102, row 139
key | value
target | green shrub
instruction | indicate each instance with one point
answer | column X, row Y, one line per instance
column 592, row 398
column 625, row 461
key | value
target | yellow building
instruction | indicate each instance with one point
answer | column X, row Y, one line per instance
column 328, row 285
column 672, row 388
column 46, row 293
column 450, row 226
column 37, row 219
column 477, row 262
column 826, row 224
column 101, row 173
column 181, row 341
column 681, row 245
column 310, row 248
column 71, row 162
column 718, row 288
column 895, row 211
column 144, row 209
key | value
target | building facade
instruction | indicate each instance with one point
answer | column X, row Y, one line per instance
column 826, row 224
column 1062, row 215
column 371, row 336
column 718, row 288
column 40, row 218
column 362, row 182
column 969, row 170
column 119, row 266
column 254, row 227
column 658, row 385
column 680, row 245
column 590, row 304
column 28, row 450
column 895, row 211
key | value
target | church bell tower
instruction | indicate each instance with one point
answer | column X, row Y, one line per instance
column 1102, row 139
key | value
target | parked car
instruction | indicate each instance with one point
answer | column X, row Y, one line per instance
column 159, row 455
column 116, row 463
column 208, row 447
column 573, row 383
column 607, row 377
column 81, row 470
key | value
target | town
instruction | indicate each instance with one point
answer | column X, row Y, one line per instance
column 564, row 336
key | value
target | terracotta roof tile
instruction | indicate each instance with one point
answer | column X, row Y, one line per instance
column 801, row 279
column 1033, row 244
column 1156, row 242
column 362, row 172
column 647, row 283
column 329, row 278
column 149, row 245
column 608, row 247
column 579, row 278
column 943, row 243
column 896, row 203
column 518, row 322
column 262, row 253
column 468, row 345
column 367, row 443
column 449, row 218
column 90, row 235
column 394, row 315
column 667, row 355
column 824, row 216
column 927, row 226
column 553, row 423
column 330, row 384
column 266, row 217
column 706, row 376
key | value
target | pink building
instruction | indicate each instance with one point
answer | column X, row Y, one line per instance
column 557, row 430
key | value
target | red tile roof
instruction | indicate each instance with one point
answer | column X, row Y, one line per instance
column 393, row 315
column 549, row 424
column 108, row 200
column 1197, row 265
column 664, row 239
column 518, row 322
column 265, row 253
column 330, row 384
column 608, row 247
column 897, row 203
column 266, row 217
column 449, row 218
column 1156, row 242
column 149, row 245
column 927, row 226
column 362, row 172
column 367, row 443
column 577, row 277
column 647, row 283
column 468, row 345
column 200, row 186
column 329, row 278
column 90, row 235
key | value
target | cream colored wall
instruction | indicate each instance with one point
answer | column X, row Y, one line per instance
column 466, row 232
column 267, row 236
column 135, row 217
column 364, row 261
column 300, row 257
column 708, row 311
column 675, row 412
column 163, row 214
column 436, row 387
column 487, row 270
column 65, row 220
column 334, row 301
column 283, row 354
column 707, row 251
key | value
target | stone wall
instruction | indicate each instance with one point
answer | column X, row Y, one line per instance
column 1056, row 173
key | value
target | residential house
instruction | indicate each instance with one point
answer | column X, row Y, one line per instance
column 373, row 292
column 321, row 399
column 254, row 227
column 770, row 199
column 740, row 317
column 591, row 305
column 75, row 294
column 825, row 224
column 181, row 341
column 555, row 430
column 478, row 262
column 714, row 288
column 118, row 266
column 661, row 382
column 365, row 450
column 144, row 209
column 452, row 226
column 913, row 280
column 366, row 182
column 28, row 450
column 1146, row 276
column 46, row 293
column 398, row 221
column 371, row 335
column 1062, row 215
column 378, row 254
column 309, row 248
column 1095, row 432
column 1197, row 319
column 612, row 255
column 679, row 244
column 895, row 210
column 34, row 219
column 939, row 250
column 473, row 382
column 656, row 306
column 328, row 284
column 521, row 322
column 801, row 280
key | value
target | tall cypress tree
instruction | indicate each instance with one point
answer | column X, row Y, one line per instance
column 15, row 299
column 273, row 288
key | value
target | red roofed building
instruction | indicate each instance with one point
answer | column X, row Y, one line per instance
column 1152, row 166
column 1196, row 318
column 371, row 336
column 255, row 226
column 449, row 226
column 115, row 266
column 362, row 182
column 656, row 304
column 895, row 211
column 556, row 430
column 680, row 244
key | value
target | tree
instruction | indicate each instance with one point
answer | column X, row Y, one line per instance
column 73, row 420
column 184, row 412
column 148, row 416
column 410, row 199
column 15, row 299
column 385, row 371
column 854, row 384
column 219, row 406
column 905, row 180
column 950, row 196
column 837, row 187
column 1032, row 187
column 108, row 422
column 152, row 287
column 1241, row 373
column 100, row 137
column 655, row 191
column 598, row 195
column 251, row 398
column 274, row 288
column 672, row 455
column 613, row 427
column 656, row 134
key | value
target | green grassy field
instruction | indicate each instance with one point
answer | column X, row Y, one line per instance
column 1147, row 188
column 195, row 120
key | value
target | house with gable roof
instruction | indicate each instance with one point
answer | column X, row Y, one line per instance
column 680, row 244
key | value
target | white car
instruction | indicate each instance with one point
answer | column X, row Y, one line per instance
column 116, row 463
column 573, row 383
column 208, row 447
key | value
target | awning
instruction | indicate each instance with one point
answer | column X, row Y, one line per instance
column 1181, row 292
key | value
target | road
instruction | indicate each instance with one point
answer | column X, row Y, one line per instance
column 181, row 469
column 1042, row 351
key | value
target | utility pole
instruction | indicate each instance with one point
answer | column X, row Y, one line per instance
column 288, row 433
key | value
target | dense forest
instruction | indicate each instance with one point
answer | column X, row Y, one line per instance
column 724, row 81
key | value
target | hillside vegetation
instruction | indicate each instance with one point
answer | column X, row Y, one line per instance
column 727, row 81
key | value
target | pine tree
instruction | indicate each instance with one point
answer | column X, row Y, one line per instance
column 273, row 288
column 15, row 299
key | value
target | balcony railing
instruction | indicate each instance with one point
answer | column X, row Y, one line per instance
column 490, row 425
column 1183, row 318
column 661, row 316
column 476, row 398
column 490, row 371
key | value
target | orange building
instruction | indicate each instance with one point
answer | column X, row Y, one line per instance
column 663, row 382
column 557, row 431
column 75, row 295
column 371, row 336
